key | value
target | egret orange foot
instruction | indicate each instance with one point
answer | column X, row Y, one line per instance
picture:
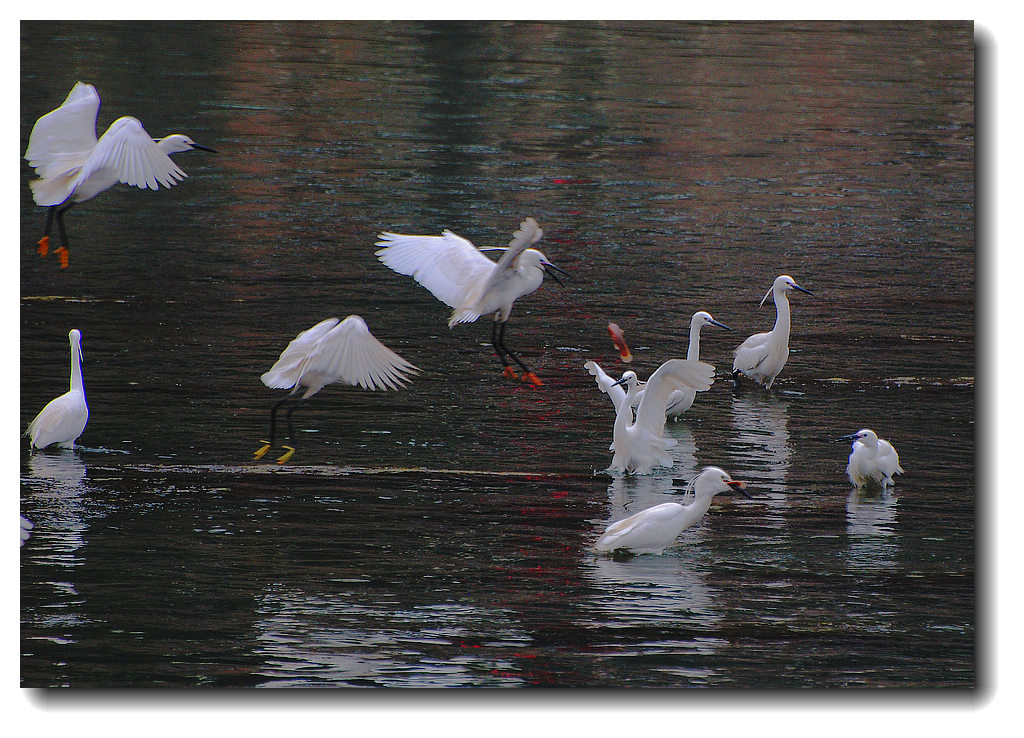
column 510, row 372
column 261, row 451
column 63, row 254
column 287, row 455
column 44, row 246
column 533, row 378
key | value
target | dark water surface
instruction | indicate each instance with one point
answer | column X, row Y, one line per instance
column 441, row 536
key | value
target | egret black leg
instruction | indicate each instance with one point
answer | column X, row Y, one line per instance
column 500, row 350
column 527, row 373
column 44, row 242
column 267, row 445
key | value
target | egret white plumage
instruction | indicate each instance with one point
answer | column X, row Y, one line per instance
column 458, row 274
column 329, row 352
column 73, row 166
column 873, row 460
column 762, row 356
column 640, row 444
column 26, row 529
column 656, row 528
column 63, row 419
column 682, row 399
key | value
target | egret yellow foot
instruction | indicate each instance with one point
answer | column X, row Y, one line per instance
column 261, row 451
column 44, row 246
column 510, row 372
column 63, row 254
column 533, row 378
column 287, row 455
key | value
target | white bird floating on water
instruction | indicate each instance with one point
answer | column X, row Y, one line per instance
column 331, row 351
column 654, row 529
column 762, row 356
column 73, row 166
column 680, row 400
column 63, row 419
column 639, row 445
column 458, row 274
column 873, row 460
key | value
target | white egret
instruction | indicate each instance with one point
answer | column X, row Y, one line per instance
column 640, row 444
column 26, row 529
column 609, row 386
column 73, row 166
column 762, row 356
column 63, row 419
column 329, row 352
column 458, row 274
column 873, row 460
column 656, row 528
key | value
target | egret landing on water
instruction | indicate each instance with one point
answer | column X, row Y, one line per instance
column 873, row 460
column 74, row 167
column 654, row 529
column 63, row 419
column 762, row 356
column 458, row 274
column 640, row 444
column 329, row 352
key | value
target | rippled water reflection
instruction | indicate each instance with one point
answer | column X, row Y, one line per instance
column 442, row 536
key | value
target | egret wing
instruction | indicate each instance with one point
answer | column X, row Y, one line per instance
column 285, row 372
column 527, row 235
column 672, row 375
column 63, row 417
column 450, row 266
column 640, row 531
column 349, row 353
column 751, row 352
column 606, row 384
column 133, row 155
column 63, row 138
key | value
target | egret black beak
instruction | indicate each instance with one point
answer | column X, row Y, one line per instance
column 720, row 325
column 740, row 487
column 801, row 289
column 851, row 437
column 203, row 148
column 619, row 383
column 548, row 266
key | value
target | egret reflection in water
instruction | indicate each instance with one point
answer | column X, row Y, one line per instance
column 871, row 528
column 761, row 444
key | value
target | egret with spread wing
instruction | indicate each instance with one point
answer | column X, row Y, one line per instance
column 329, row 352
column 458, row 274
column 73, row 166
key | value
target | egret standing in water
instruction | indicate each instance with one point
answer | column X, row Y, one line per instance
column 762, row 356
column 458, row 274
column 656, row 528
column 63, row 419
column 640, row 444
column 873, row 460
column 331, row 351
column 682, row 399
column 73, row 166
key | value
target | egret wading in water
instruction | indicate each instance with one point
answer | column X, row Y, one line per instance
column 73, row 166
column 639, row 444
column 63, row 419
column 873, row 460
column 329, row 352
column 458, row 274
column 762, row 356
column 656, row 528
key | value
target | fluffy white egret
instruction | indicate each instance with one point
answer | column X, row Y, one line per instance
column 63, row 419
column 73, row 166
column 329, row 352
column 458, row 274
column 762, row 356
column 654, row 529
column 873, row 460
column 640, row 444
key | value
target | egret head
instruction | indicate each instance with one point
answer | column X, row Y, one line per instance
column 179, row 142
column 713, row 481
column 534, row 258
column 864, row 435
column 783, row 284
column 629, row 379
column 701, row 318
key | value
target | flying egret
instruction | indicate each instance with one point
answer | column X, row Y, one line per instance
column 63, row 419
column 654, row 529
column 73, row 166
column 329, row 352
column 762, row 356
column 873, row 460
column 458, row 274
column 640, row 444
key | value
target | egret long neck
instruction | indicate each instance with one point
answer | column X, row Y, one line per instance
column 781, row 315
column 76, row 368
column 693, row 352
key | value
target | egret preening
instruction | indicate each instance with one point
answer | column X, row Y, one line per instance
column 873, row 460
column 654, row 529
column 762, row 356
column 73, row 166
column 331, row 351
column 639, row 444
column 63, row 419
column 458, row 274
